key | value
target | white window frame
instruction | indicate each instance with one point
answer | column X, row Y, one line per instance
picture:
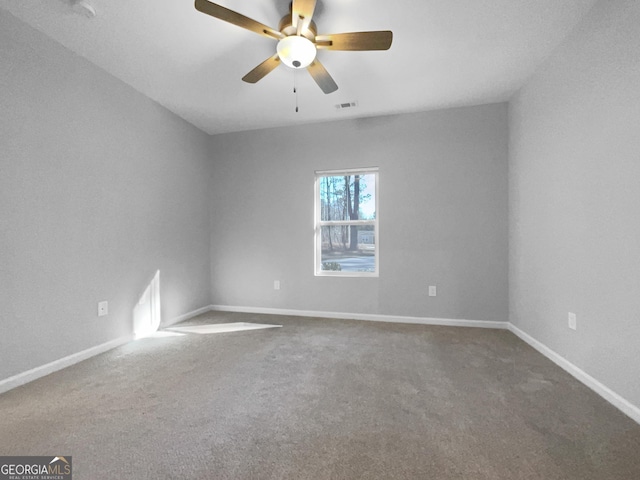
column 319, row 223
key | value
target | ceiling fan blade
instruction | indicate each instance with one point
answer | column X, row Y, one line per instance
column 262, row 70
column 322, row 77
column 301, row 12
column 380, row 40
column 222, row 13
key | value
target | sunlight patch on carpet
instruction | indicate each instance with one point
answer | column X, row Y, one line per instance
column 222, row 327
column 164, row 333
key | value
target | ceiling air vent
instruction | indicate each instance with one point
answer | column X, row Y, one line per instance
column 342, row 106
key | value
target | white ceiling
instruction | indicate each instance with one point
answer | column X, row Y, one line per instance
column 445, row 53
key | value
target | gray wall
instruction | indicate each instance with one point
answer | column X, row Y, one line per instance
column 99, row 188
column 442, row 211
column 574, row 177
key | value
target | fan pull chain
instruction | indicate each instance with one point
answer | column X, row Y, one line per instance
column 295, row 89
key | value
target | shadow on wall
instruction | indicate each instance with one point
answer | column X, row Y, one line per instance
column 146, row 313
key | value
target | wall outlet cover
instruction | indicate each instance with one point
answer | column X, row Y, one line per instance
column 103, row 308
column 572, row 321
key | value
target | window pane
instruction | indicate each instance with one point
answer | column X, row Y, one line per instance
column 348, row 248
column 348, row 197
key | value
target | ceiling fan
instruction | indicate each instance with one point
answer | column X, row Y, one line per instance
column 298, row 40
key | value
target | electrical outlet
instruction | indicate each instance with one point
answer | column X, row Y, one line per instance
column 432, row 290
column 572, row 321
column 276, row 284
column 103, row 308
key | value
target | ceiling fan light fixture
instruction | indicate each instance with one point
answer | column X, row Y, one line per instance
column 296, row 51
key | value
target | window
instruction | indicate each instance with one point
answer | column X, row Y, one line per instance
column 346, row 226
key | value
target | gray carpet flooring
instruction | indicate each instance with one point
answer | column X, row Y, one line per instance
column 322, row 399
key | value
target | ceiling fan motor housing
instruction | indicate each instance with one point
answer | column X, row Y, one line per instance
column 286, row 28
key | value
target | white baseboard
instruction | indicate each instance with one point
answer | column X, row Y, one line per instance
column 364, row 316
column 186, row 316
column 35, row 373
column 605, row 392
column 41, row 371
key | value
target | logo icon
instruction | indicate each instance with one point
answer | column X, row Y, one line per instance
column 36, row 468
